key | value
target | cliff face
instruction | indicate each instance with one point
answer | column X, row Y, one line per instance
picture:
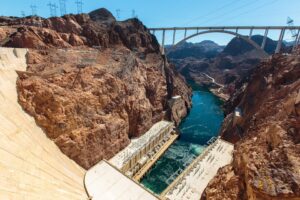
column 266, row 159
column 227, row 65
column 92, row 83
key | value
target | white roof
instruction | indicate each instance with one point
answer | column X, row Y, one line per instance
column 103, row 181
column 176, row 97
column 137, row 144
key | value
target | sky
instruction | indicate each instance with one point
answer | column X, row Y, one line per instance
column 175, row 13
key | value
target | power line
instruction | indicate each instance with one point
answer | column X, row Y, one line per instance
column 63, row 9
column 251, row 10
column 229, row 12
column 211, row 12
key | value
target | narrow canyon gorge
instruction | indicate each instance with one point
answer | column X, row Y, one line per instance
column 102, row 89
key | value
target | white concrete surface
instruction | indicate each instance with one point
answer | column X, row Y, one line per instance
column 105, row 182
column 31, row 165
column 138, row 144
column 191, row 184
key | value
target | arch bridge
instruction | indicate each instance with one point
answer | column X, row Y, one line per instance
column 190, row 32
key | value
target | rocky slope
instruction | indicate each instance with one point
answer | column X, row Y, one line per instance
column 266, row 160
column 226, row 65
column 92, row 82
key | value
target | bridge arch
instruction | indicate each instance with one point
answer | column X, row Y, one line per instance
column 245, row 38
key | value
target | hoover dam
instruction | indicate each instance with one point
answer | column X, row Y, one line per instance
column 33, row 165
column 98, row 107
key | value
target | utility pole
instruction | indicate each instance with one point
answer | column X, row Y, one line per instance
column 33, row 10
column 79, row 6
column 63, row 8
column 118, row 11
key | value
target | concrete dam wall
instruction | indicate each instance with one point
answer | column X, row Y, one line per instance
column 31, row 165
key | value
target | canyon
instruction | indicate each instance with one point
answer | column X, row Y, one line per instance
column 221, row 68
column 92, row 83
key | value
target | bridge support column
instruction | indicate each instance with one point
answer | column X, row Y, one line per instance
column 185, row 31
column 296, row 40
column 250, row 34
column 279, row 44
column 263, row 44
column 163, row 42
column 174, row 36
column 153, row 32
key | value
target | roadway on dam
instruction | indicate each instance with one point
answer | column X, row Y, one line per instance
column 202, row 123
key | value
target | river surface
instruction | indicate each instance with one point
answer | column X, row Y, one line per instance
column 202, row 123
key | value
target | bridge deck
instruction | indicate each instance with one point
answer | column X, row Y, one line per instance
column 225, row 27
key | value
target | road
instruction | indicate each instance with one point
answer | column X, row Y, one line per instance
column 214, row 81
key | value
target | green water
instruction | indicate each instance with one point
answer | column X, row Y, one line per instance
column 202, row 123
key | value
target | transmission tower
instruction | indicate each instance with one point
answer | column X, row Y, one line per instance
column 33, row 10
column 79, row 6
column 63, row 8
column 52, row 7
column 118, row 11
column 23, row 14
column 134, row 14
column 290, row 22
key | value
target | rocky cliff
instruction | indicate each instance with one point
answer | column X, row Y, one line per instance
column 266, row 159
column 92, row 82
column 227, row 65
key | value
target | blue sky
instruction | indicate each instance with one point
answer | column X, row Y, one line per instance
column 157, row 13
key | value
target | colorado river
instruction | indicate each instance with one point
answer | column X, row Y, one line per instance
column 202, row 123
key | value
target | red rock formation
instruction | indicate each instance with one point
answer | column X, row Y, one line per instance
column 267, row 140
column 93, row 83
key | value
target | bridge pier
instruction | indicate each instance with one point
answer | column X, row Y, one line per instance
column 174, row 36
column 263, row 44
column 250, row 34
column 296, row 40
column 163, row 42
column 279, row 44
column 185, row 32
